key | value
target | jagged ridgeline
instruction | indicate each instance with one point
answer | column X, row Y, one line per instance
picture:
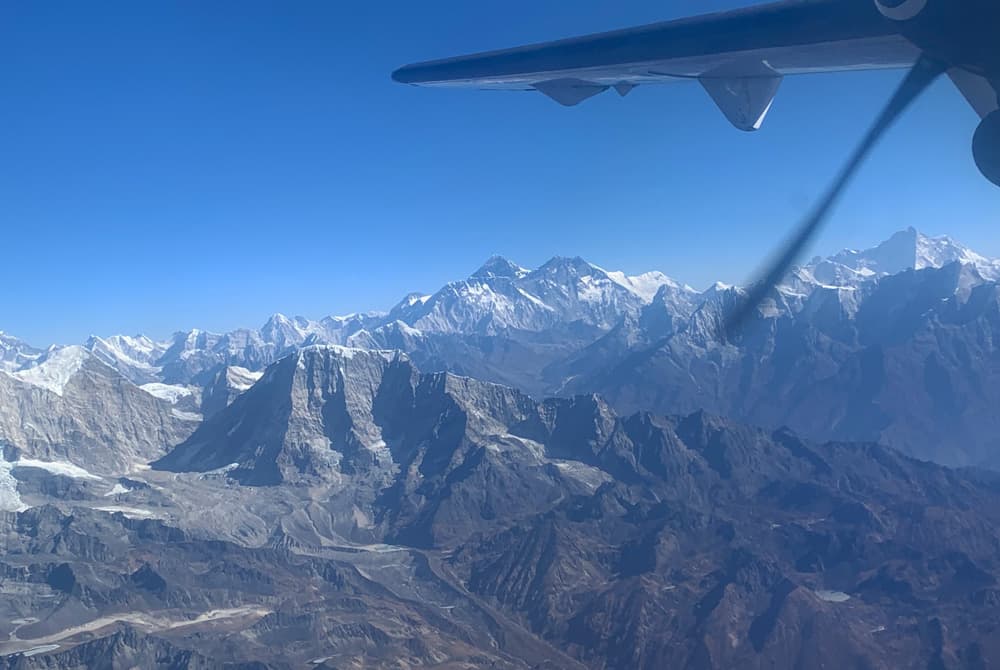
column 349, row 507
column 896, row 344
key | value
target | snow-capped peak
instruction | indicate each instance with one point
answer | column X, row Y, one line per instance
column 647, row 284
column 500, row 297
column 9, row 341
column 414, row 299
column 284, row 331
column 906, row 250
column 718, row 287
column 562, row 266
column 15, row 353
column 139, row 352
column 498, row 266
column 53, row 370
column 935, row 252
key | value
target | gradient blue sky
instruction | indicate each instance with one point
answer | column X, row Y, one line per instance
column 166, row 165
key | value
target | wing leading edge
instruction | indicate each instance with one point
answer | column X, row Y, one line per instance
column 739, row 56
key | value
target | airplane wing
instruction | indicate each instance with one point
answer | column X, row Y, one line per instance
column 740, row 57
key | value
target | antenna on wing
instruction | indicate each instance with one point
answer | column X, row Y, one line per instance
column 922, row 75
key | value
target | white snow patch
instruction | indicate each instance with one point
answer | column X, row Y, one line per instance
column 10, row 499
column 534, row 299
column 591, row 289
column 509, row 441
column 833, row 596
column 417, row 300
column 241, row 379
column 587, row 475
column 347, row 353
column 646, row 285
column 64, row 468
column 171, row 393
column 54, row 370
column 116, row 490
column 406, row 329
column 186, row 416
column 377, row 445
column 129, row 512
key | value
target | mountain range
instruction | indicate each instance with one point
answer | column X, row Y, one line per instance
column 349, row 510
column 893, row 344
column 564, row 467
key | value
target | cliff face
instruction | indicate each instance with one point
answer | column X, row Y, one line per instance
column 71, row 407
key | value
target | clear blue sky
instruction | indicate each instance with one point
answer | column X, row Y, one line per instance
column 166, row 165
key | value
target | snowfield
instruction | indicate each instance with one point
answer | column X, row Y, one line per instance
column 63, row 468
column 54, row 370
column 169, row 392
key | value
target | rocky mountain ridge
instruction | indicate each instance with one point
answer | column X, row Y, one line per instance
column 909, row 360
column 69, row 407
column 350, row 509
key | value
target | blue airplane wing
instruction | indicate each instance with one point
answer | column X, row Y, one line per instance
column 739, row 56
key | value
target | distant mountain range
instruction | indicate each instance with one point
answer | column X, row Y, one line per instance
column 893, row 344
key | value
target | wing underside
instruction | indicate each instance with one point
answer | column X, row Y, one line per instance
column 739, row 56
column 887, row 52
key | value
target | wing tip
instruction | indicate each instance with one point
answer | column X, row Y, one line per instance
column 404, row 75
